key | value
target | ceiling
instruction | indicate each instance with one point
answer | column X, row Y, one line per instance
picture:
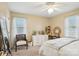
column 35, row 8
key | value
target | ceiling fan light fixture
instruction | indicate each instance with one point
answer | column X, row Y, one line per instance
column 50, row 11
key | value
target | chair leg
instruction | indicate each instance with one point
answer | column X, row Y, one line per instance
column 26, row 44
column 15, row 48
column 32, row 43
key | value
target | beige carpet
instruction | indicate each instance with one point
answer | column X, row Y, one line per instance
column 31, row 51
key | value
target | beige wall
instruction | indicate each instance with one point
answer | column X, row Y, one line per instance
column 4, row 10
column 33, row 22
column 60, row 19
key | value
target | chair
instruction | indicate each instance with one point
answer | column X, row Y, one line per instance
column 19, row 38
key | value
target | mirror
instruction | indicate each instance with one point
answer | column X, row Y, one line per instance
column 4, row 32
column 0, row 38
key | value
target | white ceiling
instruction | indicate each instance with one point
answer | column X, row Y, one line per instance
column 35, row 8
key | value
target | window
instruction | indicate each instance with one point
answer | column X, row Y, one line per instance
column 20, row 25
column 72, row 27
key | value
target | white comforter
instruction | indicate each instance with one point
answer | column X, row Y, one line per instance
column 70, row 50
column 52, row 47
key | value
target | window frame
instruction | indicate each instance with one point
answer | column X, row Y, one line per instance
column 15, row 27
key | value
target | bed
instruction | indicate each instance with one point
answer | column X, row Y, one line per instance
column 59, row 47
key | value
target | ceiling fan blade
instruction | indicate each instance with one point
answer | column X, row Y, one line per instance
column 44, row 9
column 57, row 9
column 39, row 4
column 59, row 4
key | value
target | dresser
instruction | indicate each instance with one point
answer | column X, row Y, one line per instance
column 39, row 39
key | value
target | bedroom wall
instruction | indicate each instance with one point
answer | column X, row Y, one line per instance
column 4, row 11
column 58, row 20
column 33, row 22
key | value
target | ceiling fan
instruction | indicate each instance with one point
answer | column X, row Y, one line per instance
column 50, row 7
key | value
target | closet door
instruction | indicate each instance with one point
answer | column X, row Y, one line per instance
column 71, row 27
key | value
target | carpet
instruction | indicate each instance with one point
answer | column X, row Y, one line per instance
column 22, row 51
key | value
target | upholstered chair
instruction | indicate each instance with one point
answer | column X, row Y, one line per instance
column 20, row 41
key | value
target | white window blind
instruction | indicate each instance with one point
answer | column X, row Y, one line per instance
column 72, row 27
column 20, row 25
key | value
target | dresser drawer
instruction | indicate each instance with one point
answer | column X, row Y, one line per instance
column 36, row 43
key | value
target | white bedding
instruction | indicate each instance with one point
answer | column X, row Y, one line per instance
column 70, row 50
column 52, row 47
